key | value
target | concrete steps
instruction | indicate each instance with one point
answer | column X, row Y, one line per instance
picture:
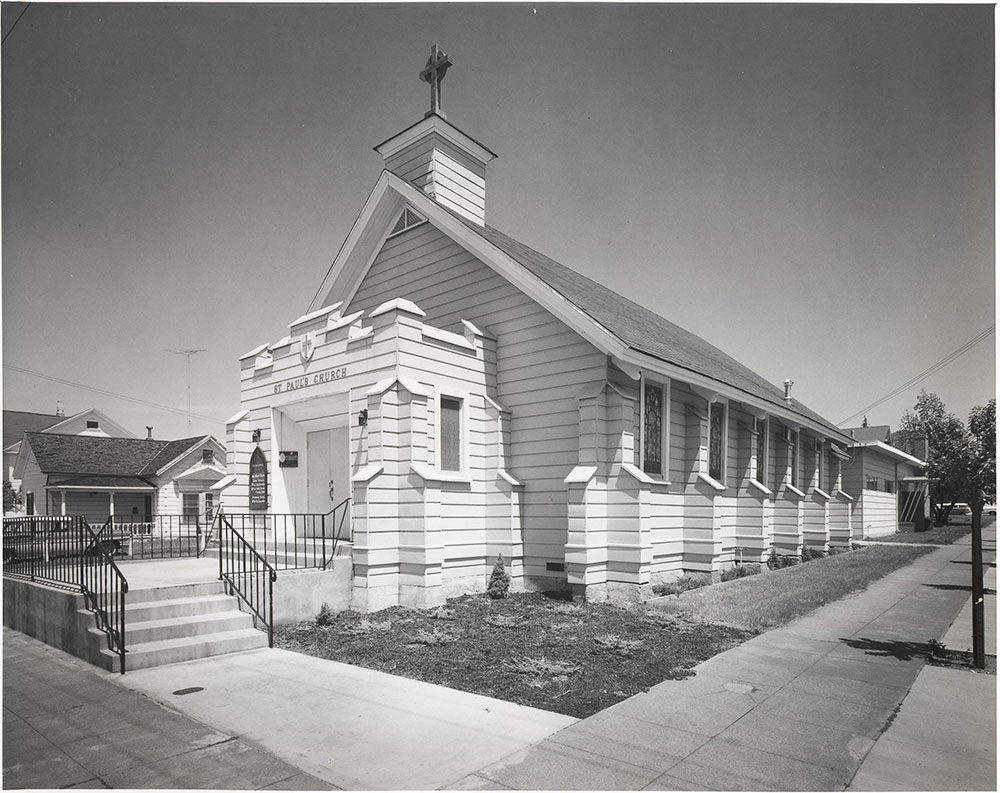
column 166, row 625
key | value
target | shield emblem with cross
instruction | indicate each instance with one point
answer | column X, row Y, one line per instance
column 308, row 346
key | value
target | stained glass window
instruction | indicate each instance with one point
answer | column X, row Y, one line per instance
column 762, row 451
column 793, row 453
column 652, row 437
column 451, row 434
column 716, row 429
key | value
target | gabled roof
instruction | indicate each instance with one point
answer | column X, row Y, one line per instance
column 170, row 452
column 601, row 315
column 640, row 328
column 18, row 422
column 873, row 432
column 86, row 454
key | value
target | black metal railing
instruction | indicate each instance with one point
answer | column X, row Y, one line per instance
column 159, row 536
column 289, row 541
column 65, row 552
column 247, row 573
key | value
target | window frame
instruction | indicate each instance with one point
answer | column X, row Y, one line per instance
column 92, row 424
column 463, row 431
column 723, row 446
column 762, row 429
column 208, row 456
column 820, row 448
column 189, row 518
column 664, row 385
column 794, row 461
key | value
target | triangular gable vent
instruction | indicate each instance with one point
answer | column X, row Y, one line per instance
column 407, row 220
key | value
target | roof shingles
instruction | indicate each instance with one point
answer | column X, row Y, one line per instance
column 82, row 454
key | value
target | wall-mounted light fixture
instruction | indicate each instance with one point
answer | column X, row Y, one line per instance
column 256, row 435
column 363, row 417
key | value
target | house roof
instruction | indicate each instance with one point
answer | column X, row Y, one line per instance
column 170, row 452
column 90, row 455
column 891, row 451
column 641, row 329
column 105, row 482
column 873, row 432
column 18, row 422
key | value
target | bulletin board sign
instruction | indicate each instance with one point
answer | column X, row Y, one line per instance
column 258, row 480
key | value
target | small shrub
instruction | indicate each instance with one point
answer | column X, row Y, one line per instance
column 542, row 666
column 682, row 584
column 499, row 580
column 808, row 554
column 503, row 621
column 623, row 647
column 325, row 616
column 432, row 638
column 740, row 571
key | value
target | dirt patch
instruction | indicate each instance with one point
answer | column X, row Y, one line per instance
column 569, row 657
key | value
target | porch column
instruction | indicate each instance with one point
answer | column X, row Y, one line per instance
column 111, row 503
column 62, row 503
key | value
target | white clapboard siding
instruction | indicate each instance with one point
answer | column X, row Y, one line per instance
column 542, row 365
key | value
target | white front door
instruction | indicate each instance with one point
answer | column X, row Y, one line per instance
column 328, row 474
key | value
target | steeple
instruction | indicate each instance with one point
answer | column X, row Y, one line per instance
column 437, row 156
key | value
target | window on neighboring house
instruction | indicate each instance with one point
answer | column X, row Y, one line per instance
column 29, row 503
column 890, row 486
column 93, row 424
column 451, row 434
column 717, row 441
column 190, row 508
column 209, row 504
column 871, row 483
column 654, row 411
column 793, row 456
column 207, row 456
column 760, row 453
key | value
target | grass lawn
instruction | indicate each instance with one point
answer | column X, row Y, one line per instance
column 578, row 658
column 770, row 599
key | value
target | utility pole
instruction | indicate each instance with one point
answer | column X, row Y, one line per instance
column 978, row 605
column 187, row 356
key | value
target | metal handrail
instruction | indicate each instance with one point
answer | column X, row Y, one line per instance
column 246, row 572
column 336, row 533
column 64, row 552
column 104, row 587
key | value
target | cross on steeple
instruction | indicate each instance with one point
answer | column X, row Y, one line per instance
column 433, row 73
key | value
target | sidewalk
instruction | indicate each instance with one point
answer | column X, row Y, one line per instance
column 803, row 707
column 66, row 725
column 796, row 708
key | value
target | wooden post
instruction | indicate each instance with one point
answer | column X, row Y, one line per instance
column 978, row 606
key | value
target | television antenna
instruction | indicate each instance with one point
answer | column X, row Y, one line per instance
column 187, row 360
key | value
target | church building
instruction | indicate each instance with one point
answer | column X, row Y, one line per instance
column 471, row 397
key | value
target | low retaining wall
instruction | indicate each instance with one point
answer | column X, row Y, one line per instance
column 55, row 616
column 299, row 594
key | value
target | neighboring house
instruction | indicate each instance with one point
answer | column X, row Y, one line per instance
column 473, row 397
column 873, row 432
column 889, row 485
column 98, row 477
column 90, row 422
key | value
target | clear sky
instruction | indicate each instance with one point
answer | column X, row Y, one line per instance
column 809, row 187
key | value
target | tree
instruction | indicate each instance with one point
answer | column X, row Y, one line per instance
column 11, row 498
column 948, row 453
column 982, row 478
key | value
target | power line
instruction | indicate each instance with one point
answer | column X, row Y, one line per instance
column 953, row 355
column 5, row 35
column 136, row 400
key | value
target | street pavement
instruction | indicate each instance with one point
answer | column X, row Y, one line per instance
column 847, row 697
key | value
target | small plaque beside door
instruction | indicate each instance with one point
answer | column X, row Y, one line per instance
column 288, row 459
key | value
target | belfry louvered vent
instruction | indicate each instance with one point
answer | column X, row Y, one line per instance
column 407, row 220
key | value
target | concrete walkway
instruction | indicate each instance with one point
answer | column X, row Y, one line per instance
column 66, row 725
column 803, row 707
column 796, row 708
